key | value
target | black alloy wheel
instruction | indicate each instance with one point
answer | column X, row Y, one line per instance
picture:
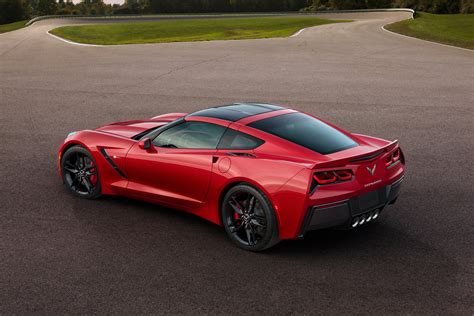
column 80, row 174
column 249, row 219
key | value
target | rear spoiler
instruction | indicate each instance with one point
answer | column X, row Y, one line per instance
column 357, row 158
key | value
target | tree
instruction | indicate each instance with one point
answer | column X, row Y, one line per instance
column 12, row 10
column 467, row 6
column 46, row 7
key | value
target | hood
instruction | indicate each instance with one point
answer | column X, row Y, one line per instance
column 131, row 128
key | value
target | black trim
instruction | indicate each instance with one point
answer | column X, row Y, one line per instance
column 240, row 154
column 394, row 164
column 111, row 162
column 140, row 135
column 340, row 213
column 154, row 132
column 237, row 111
column 305, row 227
column 368, row 157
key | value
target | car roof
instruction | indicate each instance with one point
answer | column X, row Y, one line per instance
column 237, row 111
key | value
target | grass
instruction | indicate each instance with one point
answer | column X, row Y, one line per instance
column 451, row 29
column 12, row 26
column 188, row 30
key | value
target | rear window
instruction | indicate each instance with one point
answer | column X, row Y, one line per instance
column 306, row 131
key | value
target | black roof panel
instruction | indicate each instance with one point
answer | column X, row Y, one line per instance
column 235, row 112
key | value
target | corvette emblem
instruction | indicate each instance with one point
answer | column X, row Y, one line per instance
column 371, row 171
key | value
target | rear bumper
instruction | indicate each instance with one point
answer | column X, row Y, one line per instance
column 341, row 213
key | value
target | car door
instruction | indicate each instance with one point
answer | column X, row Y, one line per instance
column 177, row 169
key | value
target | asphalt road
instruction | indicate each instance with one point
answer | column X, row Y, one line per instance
column 61, row 254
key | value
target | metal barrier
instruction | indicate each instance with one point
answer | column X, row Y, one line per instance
column 170, row 16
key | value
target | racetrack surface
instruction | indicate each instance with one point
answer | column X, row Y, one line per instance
column 61, row 254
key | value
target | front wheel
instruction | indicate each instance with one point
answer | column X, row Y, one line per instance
column 249, row 219
column 80, row 174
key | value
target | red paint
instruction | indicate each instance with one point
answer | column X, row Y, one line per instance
column 194, row 180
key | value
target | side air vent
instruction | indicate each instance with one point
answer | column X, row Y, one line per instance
column 111, row 162
column 237, row 154
column 368, row 157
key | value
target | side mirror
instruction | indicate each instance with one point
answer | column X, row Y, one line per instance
column 145, row 144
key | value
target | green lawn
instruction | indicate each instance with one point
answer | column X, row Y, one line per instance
column 188, row 30
column 451, row 29
column 12, row 26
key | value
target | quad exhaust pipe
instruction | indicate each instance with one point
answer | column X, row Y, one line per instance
column 365, row 218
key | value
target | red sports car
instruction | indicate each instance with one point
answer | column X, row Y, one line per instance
column 264, row 172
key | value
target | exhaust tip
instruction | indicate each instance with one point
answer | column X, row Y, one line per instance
column 362, row 220
column 375, row 214
column 355, row 222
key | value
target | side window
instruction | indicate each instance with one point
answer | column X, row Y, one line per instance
column 193, row 135
column 233, row 139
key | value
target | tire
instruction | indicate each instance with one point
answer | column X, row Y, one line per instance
column 249, row 219
column 80, row 173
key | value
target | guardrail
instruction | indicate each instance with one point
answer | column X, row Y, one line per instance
column 168, row 16
column 413, row 12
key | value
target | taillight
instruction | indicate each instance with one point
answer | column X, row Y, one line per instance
column 394, row 157
column 343, row 175
column 326, row 177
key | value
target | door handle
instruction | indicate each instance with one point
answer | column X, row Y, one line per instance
column 214, row 159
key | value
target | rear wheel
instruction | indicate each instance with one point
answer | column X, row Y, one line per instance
column 249, row 219
column 80, row 174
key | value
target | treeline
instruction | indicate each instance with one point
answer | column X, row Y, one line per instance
column 199, row 6
column 433, row 6
column 14, row 10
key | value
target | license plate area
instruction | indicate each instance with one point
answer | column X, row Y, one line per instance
column 368, row 201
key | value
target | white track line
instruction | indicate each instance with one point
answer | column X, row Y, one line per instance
column 71, row 42
column 298, row 33
column 94, row 45
column 419, row 39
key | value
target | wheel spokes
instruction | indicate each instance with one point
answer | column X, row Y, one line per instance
column 236, row 226
column 255, row 222
column 251, row 204
column 71, row 168
column 73, row 171
column 91, row 173
column 80, row 168
column 89, row 168
column 87, row 184
column 246, row 219
column 235, row 206
column 250, row 235
column 75, row 182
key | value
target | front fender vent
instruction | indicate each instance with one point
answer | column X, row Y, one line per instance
column 111, row 162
